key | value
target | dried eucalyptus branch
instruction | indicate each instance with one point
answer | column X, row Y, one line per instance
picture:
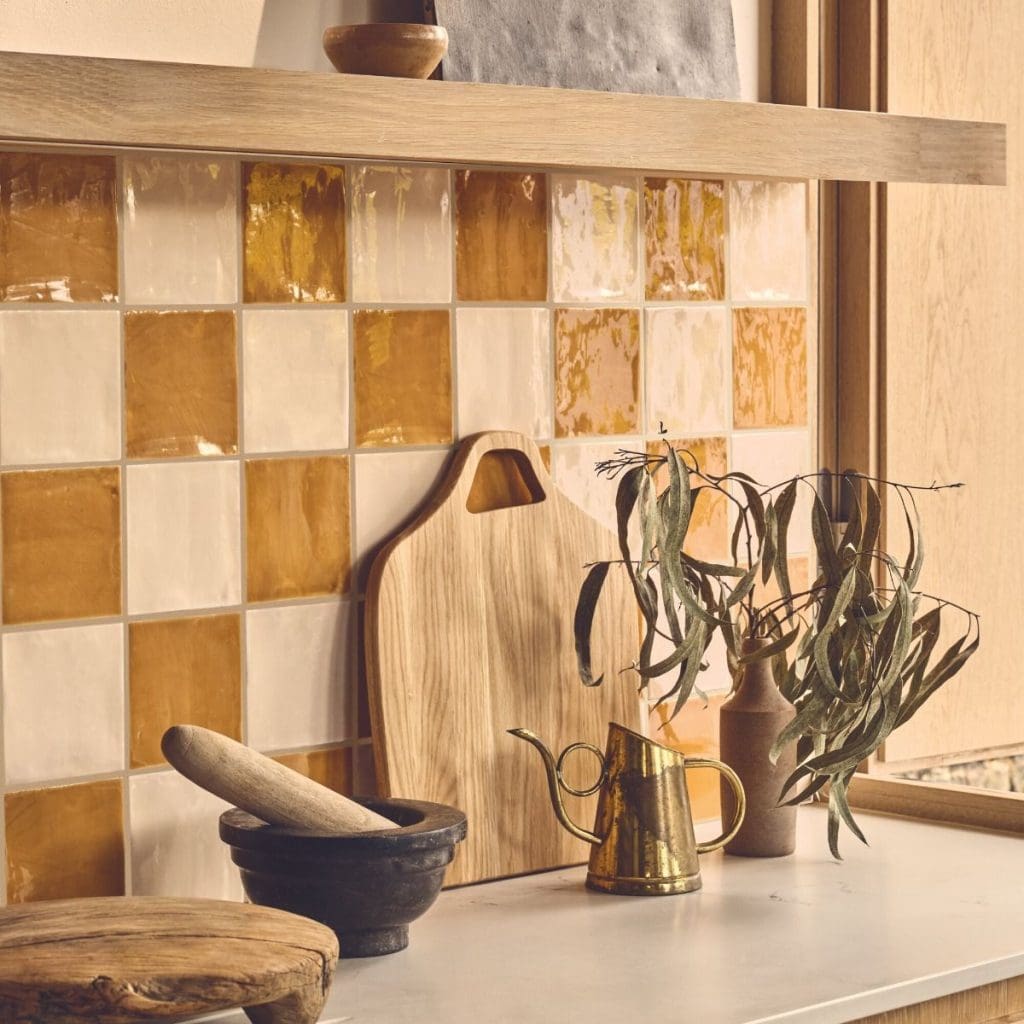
column 853, row 651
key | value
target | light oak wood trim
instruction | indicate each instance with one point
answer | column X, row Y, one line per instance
column 1002, row 1002
column 102, row 102
column 952, row 805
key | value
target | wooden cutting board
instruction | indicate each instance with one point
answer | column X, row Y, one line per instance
column 469, row 634
column 118, row 960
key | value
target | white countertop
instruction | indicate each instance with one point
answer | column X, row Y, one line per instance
column 925, row 911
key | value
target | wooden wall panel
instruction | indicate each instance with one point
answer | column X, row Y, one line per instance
column 953, row 357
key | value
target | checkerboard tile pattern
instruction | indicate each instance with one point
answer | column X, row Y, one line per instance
column 225, row 382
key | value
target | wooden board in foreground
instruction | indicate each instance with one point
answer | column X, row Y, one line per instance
column 118, row 960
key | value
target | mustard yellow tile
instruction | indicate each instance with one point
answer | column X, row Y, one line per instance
column 597, row 364
column 61, row 544
column 65, row 842
column 769, row 367
column 294, row 232
column 403, row 377
column 331, row 768
column 708, row 535
column 181, row 383
column 185, row 670
column 58, row 228
column 298, row 527
column 684, row 235
column 694, row 731
column 501, row 251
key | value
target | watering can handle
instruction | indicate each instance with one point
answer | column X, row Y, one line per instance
column 741, row 800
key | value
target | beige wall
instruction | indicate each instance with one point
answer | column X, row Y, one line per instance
column 265, row 33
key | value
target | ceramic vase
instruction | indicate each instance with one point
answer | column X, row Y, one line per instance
column 750, row 719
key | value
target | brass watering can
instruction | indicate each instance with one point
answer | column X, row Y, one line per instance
column 643, row 842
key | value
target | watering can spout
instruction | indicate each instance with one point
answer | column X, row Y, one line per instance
column 553, row 787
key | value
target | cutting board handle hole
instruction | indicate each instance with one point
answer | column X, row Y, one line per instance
column 505, row 478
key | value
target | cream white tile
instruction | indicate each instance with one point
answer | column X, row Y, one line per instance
column 63, row 702
column 504, row 370
column 175, row 846
column 296, row 379
column 771, row 457
column 408, row 479
column 594, row 237
column 181, row 230
column 60, row 386
column 298, row 674
column 401, row 234
column 687, row 367
column 183, row 546
column 768, row 240
column 573, row 469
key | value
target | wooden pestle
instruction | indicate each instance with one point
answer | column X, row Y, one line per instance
column 257, row 784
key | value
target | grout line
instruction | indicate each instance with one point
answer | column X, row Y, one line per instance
column 122, row 274
column 243, row 508
column 352, row 666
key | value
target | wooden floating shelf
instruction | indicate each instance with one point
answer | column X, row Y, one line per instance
column 100, row 102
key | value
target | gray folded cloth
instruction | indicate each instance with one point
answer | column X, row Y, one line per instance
column 669, row 47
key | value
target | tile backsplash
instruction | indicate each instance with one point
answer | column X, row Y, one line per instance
column 223, row 383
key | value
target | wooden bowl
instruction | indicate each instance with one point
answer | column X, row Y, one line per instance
column 367, row 886
column 392, row 50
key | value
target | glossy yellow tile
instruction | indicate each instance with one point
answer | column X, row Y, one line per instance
column 594, row 237
column 597, row 368
column 58, row 228
column 297, row 513
column 684, row 239
column 694, row 731
column 403, row 377
column 708, row 535
column 181, row 384
column 294, row 232
column 331, row 768
column 65, row 842
column 501, row 251
column 61, row 544
column 181, row 230
column 183, row 670
column 401, row 234
column 769, row 367
column 768, row 240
